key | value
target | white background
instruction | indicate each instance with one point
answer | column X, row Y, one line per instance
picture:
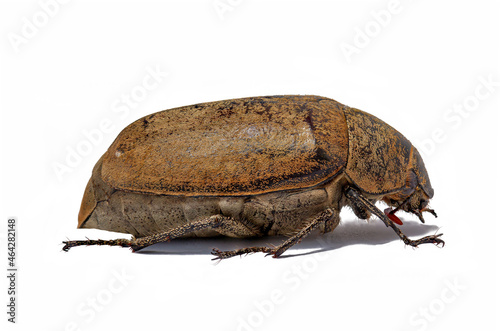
column 68, row 72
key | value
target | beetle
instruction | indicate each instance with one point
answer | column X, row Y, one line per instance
column 271, row 165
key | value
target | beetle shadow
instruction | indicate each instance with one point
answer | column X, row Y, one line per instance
column 348, row 233
column 360, row 233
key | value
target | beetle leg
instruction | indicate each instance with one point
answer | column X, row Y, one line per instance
column 218, row 223
column 227, row 254
column 353, row 195
column 116, row 242
column 325, row 216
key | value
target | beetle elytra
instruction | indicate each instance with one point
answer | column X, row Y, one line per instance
column 250, row 167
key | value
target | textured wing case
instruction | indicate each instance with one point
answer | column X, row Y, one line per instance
column 232, row 147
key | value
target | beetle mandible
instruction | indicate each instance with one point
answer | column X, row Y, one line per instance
column 248, row 167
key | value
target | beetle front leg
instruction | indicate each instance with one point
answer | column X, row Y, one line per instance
column 356, row 197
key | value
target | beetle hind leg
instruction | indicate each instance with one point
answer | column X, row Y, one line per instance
column 116, row 242
column 326, row 217
column 222, row 224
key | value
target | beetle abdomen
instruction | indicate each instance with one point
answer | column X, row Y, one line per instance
column 232, row 147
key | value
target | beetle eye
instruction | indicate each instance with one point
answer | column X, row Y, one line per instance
column 423, row 203
column 393, row 201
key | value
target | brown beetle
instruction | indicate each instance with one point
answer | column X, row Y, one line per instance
column 252, row 167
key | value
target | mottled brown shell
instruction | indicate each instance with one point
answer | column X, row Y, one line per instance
column 379, row 156
column 233, row 147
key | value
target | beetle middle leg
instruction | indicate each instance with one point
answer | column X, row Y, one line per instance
column 326, row 217
column 359, row 200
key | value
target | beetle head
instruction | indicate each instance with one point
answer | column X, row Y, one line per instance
column 415, row 195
